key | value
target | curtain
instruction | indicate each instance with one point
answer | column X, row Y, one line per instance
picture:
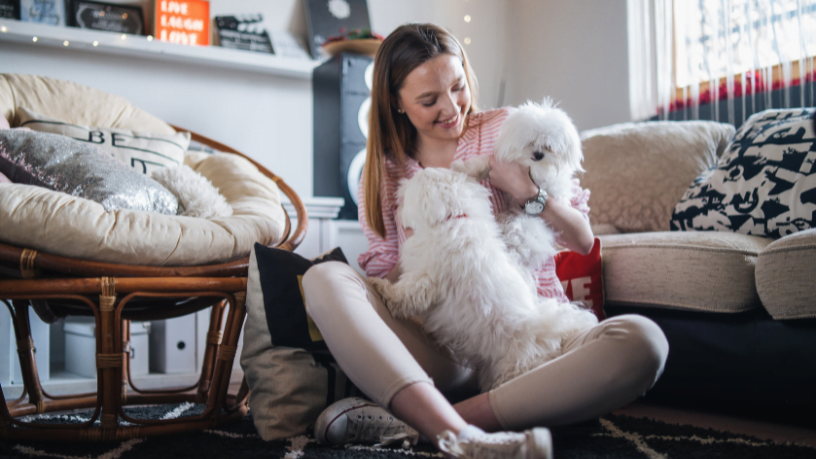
column 724, row 53
column 649, row 28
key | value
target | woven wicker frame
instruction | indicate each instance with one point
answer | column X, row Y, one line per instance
column 56, row 286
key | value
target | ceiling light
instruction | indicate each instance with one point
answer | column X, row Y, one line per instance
column 96, row 43
column 34, row 39
column 65, row 43
column 467, row 18
column 467, row 40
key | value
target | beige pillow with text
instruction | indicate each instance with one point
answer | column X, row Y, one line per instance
column 142, row 151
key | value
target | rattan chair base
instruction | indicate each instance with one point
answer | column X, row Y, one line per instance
column 114, row 294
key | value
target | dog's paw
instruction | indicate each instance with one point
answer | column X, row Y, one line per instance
column 387, row 293
column 529, row 239
column 381, row 286
column 477, row 167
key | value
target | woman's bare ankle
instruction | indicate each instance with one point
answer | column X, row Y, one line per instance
column 424, row 408
column 477, row 411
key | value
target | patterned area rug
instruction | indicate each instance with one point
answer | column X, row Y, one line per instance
column 615, row 437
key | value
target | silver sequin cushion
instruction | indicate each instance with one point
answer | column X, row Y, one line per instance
column 80, row 169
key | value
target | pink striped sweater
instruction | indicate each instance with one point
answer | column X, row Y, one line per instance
column 383, row 254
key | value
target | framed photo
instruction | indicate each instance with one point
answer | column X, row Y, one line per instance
column 330, row 18
column 106, row 16
column 43, row 11
column 9, row 9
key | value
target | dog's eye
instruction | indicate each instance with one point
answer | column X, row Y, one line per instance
column 538, row 156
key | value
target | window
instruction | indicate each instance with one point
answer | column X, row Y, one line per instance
column 753, row 45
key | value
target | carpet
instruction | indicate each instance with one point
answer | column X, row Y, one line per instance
column 612, row 436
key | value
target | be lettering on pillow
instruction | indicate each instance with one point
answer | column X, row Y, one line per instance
column 142, row 151
column 582, row 277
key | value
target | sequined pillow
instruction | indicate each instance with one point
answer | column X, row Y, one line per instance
column 763, row 185
column 144, row 152
column 80, row 169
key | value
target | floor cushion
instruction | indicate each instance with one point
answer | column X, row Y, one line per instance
column 786, row 276
column 694, row 271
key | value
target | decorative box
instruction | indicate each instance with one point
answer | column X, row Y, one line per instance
column 80, row 347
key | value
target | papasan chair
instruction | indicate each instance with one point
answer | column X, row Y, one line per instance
column 65, row 256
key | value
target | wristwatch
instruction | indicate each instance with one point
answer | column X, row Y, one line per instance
column 536, row 205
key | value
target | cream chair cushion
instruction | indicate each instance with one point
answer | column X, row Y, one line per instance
column 73, row 103
column 786, row 276
column 45, row 220
column 61, row 224
column 695, row 271
column 637, row 172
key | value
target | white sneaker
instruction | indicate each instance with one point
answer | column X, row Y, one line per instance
column 531, row 444
column 356, row 420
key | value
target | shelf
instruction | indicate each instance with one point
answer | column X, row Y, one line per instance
column 95, row 41
column 317, row 207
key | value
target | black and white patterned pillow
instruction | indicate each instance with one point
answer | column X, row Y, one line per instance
column 763, row 185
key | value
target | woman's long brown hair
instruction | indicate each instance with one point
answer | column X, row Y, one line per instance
column 391, row 134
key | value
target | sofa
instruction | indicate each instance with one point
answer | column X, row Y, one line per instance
column 739, row 310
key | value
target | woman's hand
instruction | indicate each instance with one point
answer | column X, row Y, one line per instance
column 514, row 179
column 571, row 227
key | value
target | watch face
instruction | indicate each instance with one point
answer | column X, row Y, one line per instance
column 534, row 207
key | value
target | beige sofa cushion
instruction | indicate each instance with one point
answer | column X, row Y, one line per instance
column 786, row 276
column 695, row 271
column 637, row 172
column 61, row 224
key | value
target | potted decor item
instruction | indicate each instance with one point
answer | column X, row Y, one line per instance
column 358, row 41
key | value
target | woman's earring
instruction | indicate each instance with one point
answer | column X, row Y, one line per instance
column 399, row 110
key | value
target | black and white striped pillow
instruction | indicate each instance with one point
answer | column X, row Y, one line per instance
column 763, row 185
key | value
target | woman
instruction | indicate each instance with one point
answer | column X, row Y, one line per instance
column 423, row 114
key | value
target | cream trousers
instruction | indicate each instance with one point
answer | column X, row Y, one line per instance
column 600, row 369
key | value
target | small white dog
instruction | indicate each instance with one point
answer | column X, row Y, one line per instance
column 542, row 137
column 470, row 292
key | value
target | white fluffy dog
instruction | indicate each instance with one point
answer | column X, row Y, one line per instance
column 470, row 292
column 542, row 137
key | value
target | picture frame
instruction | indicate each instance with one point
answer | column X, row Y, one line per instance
column 330, row 18
column 50, row 12
column 10, row 9
column 185, row 22
column 87, row 14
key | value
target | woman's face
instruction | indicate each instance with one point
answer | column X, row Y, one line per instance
column 435, row 96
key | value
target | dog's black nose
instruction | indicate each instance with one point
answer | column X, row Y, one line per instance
column 538, row 156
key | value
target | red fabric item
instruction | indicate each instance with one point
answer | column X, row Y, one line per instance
column 581, row 277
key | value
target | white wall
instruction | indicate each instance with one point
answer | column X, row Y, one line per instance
column 573, row 51
column 486, row 31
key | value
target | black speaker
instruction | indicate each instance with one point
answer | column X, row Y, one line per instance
column 342, row 97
